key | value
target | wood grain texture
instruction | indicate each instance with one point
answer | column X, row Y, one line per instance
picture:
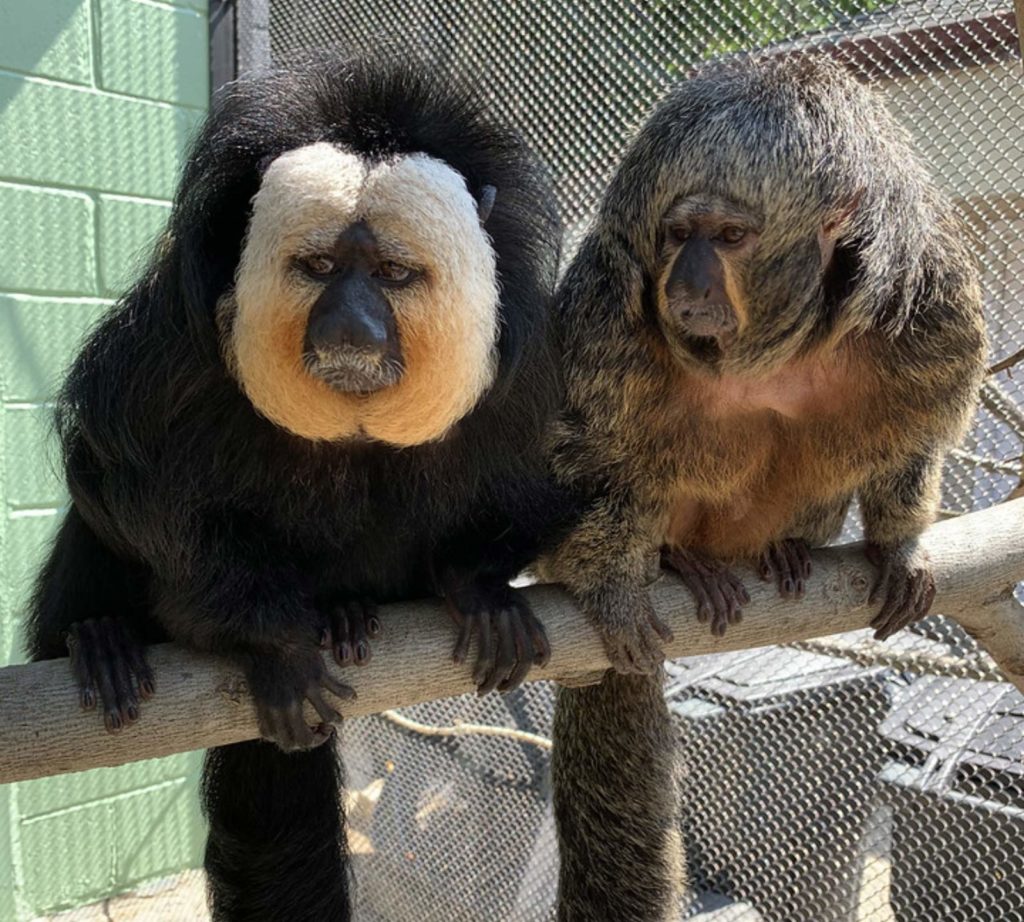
column 202, row 702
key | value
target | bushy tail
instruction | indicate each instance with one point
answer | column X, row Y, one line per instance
column 277, row 847
column 615, row 771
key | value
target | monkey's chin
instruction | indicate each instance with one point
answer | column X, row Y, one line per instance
column 356, row 375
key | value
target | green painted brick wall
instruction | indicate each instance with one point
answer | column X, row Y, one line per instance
column 98, row 100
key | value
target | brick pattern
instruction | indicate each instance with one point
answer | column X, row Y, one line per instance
column 98, row 101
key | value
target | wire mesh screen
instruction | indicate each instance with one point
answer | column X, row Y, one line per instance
column 835, row 781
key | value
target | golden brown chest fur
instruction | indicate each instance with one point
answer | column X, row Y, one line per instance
column 755, row 452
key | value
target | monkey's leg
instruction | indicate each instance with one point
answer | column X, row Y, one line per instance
column 897, row 506
column 108, row 661
column 276, row 848
column 615, row 772
column 720, row 595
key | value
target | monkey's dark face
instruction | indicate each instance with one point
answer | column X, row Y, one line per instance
column 352, row 340
column 365, row 301
column 707, row 244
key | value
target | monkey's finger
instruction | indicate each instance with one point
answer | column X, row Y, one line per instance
column 720, row 606
column 660, row 627
column 297, row 733
column 485, row 651
column 804, row 555
column 336, row 688
column 896, row 601
column 504, row 658
column 143, row 674
column 327, row 714
column 266, row 720
column 652, row 655
column 919, row 596
column 126, row 680
column 539, row 639
column 929, row 595
column 357, row 633
column 795, row 568
column 371, row 618
column 342, row 640
column 462, row 642
column 523, row 662
column 80, row 669
column 739, row 590
column 885, row 576
column 696, row 586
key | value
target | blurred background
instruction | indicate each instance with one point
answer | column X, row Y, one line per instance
column 840, row 780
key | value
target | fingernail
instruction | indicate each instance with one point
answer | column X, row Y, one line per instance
column 362, row 651
column 374, row 625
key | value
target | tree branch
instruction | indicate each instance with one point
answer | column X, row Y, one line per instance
column 1008, row 362
column 202, row 702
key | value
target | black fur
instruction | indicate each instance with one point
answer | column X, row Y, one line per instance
column 199, row 520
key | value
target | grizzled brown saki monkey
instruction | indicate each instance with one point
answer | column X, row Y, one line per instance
column 775, row 312
column 327, row 392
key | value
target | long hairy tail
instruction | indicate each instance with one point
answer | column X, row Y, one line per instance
column 616, row 777
column 276, row 849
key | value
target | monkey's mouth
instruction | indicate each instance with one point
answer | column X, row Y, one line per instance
column 354, row 371
column 706, row 349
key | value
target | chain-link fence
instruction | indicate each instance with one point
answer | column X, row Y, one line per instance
column 825, row 782
column 819, row 788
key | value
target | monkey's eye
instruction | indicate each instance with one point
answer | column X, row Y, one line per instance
column 318, row 264
column 394, row 272
column 680, row 234
column 732, row 234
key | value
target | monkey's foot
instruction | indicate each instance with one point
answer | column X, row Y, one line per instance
column 351, row 625
column 281, row 683
column 719, row 593
column 787, row 562
column 905, row 582
column 509, row 638
column 109, row 662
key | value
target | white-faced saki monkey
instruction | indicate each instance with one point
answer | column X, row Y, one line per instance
column 328, row 391
column 775, row 312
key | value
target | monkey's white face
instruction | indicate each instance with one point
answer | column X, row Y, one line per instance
column 366, row 298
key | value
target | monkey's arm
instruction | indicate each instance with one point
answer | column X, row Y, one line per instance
column 233, row 595
column 607, row 562
column 896, row 506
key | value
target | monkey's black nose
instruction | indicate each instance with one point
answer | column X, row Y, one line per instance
column 348, row 328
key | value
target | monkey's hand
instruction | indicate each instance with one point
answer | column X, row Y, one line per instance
column 788, row 563
column 630, row 630
column 281, row 682
column 509, row 638
column 905, row 582
column 108, row 661
column 351, row 625
column 720, row 595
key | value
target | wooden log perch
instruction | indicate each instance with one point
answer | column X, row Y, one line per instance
column 202, row 702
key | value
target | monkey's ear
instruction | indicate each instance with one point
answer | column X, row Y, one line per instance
column 835, row 226
column 485, row 203
column 836, row 222
column 263, row 163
